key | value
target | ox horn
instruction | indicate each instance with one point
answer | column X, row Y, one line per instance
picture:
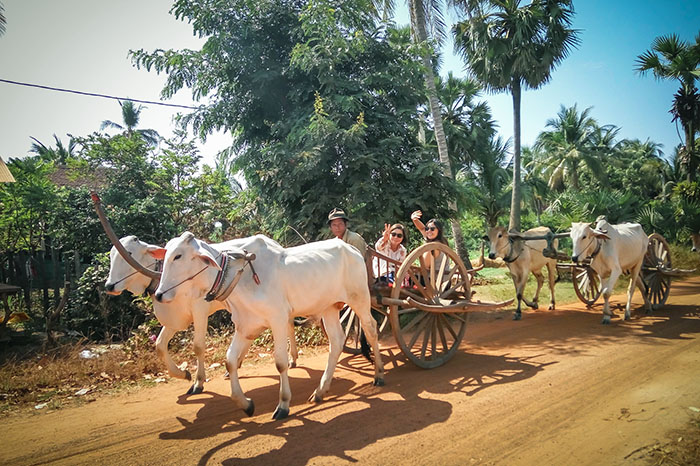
column 115, row 241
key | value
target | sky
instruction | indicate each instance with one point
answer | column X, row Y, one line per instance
column 83, row 45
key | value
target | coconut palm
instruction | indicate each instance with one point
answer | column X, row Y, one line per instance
column 575, row 140
column 131, row 115
column 60, row 154
column 468, row 124
column 427, row 15
column 3, row 20
column 673, row 58
column 510, row 47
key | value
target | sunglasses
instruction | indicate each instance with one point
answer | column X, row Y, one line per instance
column 398, row 235
column 430, row 228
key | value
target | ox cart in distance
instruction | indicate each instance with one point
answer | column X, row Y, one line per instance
column 656, row 270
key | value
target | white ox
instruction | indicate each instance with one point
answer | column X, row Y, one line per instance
column 173, row 316
column 523, row 258
column 314, row 279
column 613, row 249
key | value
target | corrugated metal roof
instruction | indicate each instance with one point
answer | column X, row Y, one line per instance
column 5, row 175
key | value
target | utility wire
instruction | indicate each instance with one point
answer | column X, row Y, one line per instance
column 91, row 94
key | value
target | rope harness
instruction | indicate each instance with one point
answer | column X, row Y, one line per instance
column 222, row 287
column 507, row 258
column 151, row 288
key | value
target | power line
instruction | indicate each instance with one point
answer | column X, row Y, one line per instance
column 91, row 94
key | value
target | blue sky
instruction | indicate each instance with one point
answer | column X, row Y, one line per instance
column 83, row 44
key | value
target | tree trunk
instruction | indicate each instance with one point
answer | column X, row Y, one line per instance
column 419, row 29
column 516, row 197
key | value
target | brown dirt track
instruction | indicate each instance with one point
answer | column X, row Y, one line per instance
column 554, row 388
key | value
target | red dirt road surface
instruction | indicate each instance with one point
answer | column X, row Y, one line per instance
column 555, row 388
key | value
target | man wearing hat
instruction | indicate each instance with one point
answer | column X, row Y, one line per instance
column 338, row 222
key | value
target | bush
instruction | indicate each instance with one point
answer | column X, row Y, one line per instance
column 98, row 316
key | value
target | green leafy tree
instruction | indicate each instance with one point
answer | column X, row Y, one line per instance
column 676, row 59
column 322, row 105
column 509, row 47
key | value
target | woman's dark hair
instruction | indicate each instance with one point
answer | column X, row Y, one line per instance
column 398, row 226
column 438, row 224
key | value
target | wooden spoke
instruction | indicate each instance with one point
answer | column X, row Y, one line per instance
column 586, row 284
column 657, row 259
column 429, row 338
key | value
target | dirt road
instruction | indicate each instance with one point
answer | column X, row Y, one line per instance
column 554, row 388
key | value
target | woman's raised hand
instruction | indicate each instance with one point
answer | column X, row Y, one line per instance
column 416, row 215
column 387, row 231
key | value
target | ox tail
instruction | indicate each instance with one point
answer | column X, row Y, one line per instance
column 364, row 347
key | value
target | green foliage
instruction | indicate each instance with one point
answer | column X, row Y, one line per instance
column 96, row 315
column 322, row 105
column 26, row 204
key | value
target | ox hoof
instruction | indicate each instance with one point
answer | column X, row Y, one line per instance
column 378, row 382
column 533, row 305
column 517, row 316
column 195, row 389
column 188, row 376
column 551, row 307
column 292, row 364
column 649, row 312
column 280, row 413
column 606, row 320
column 315, row 397
column 227, row 376
column 250, row 409
column 627, row 316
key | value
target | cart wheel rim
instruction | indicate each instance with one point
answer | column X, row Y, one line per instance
column 657, row 257
column 432, row 274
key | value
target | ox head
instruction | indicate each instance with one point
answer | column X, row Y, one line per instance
column 695, row 238
column 122, row 276
column 185, row 263
column 499, row 242
column 584, row 238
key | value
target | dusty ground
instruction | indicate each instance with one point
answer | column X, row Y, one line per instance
column 554, row 388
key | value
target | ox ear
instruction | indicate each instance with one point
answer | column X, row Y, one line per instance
column 601, row 234
column 157, row 253
column 208, row 258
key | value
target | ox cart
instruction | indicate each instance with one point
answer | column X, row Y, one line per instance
column 656, row 270
column 426, row 306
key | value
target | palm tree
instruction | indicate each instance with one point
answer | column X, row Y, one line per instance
column 60, row 154
column 575, row 140
column 131, row 114
column 428, row 14
column 3, row 20
column 468, row 124
column 509, row 47
column 487, row 182
column 673, row 58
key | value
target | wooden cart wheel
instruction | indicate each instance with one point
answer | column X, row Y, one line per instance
column 428, row 338
column 351, row 326
column 657, row 258
column 586, row 284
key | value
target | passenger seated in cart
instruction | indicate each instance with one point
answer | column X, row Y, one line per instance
column 390, row 245
column 432, row 231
